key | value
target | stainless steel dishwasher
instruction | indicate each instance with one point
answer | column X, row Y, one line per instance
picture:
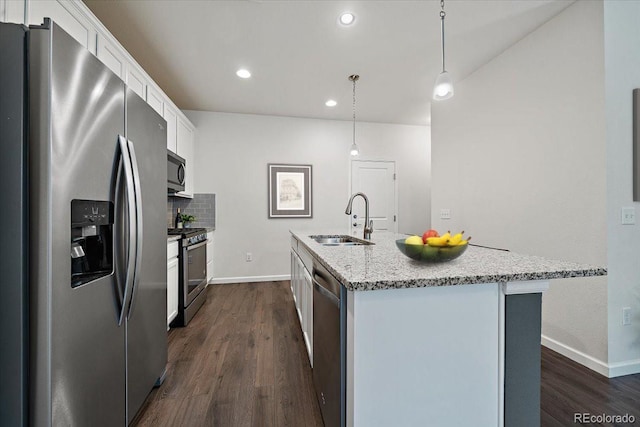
column 329, row 346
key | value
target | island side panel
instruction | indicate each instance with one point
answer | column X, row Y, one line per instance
column 424, row 356
column 522, row 360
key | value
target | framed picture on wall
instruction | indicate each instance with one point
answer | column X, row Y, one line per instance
column 289, row 191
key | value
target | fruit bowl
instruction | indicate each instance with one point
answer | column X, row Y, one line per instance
column 426, row 253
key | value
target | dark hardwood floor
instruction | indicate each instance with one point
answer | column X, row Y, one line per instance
column 568, row 388
column 242, row 362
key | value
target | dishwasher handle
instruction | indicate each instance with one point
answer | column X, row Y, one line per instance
column 324, row 291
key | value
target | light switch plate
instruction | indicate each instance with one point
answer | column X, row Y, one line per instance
column 628, row 216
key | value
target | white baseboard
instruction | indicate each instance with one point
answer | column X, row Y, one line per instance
column 224, row 280
column 576, row 355
column 608, row 370
column 624, row 368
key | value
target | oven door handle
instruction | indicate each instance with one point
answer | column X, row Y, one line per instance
column 196, row 246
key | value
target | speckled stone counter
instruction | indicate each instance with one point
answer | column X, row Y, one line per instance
column 172, row 239
column 383, row 266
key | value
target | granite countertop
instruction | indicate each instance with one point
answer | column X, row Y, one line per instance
column 172, row 238
column 383, row 266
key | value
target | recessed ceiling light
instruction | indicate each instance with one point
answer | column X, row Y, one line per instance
column 243, row 74
column 347, row 18
column 331, row 103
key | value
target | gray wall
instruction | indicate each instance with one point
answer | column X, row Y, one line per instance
column 232, row 155
column 519, row 158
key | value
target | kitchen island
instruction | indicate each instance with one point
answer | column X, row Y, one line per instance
column 451, row 344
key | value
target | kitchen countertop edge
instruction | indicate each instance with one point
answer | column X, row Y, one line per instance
column 535, row 267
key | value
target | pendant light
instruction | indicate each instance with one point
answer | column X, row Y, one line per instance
column 354, row 151
column 443, row 89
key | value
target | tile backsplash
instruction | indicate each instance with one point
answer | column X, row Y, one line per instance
column 202, row 206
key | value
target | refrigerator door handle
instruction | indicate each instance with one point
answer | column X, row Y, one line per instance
column 139, row 227
column 129, row 275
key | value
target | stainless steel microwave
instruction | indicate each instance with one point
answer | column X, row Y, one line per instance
column 175, row 172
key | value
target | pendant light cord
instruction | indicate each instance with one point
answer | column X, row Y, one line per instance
column 354, row 78
column 442, row 15
column 354, row 109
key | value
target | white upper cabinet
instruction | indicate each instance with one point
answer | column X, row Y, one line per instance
column 65, row 14
column 110, row 55
column 136, row 81
column 171, row 116
column 75, row 18
column 12, row 11
column 185, row 149
column 155, row 100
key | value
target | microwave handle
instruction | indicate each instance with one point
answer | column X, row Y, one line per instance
column 181, row 174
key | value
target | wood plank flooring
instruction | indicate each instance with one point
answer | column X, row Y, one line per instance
column 568, row 388
column 242, row 362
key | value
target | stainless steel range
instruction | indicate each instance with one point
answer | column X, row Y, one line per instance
column 192, row 258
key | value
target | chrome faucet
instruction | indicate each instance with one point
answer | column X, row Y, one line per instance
column 368, row 225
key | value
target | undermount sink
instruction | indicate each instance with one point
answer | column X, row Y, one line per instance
column 339, row 240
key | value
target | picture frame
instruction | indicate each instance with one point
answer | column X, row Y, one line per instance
column 290, row 190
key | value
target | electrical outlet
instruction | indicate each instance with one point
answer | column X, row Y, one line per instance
column 445, row 213
column 628, row 216
column 249, row 257
column 626, row 316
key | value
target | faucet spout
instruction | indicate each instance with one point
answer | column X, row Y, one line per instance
column 368, row 225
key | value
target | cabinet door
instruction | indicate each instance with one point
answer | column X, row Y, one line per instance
column 136, row 81
column 185, row 150
column 66, row 15
column 299, row 290
column 155, row 100
column 171, row 117
column 209, row 256
column 111, row 56
column 293, row 270
column 12, row 11
column 172, row 290
column 308, row 314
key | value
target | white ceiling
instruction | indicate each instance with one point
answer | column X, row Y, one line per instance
column 300, row 56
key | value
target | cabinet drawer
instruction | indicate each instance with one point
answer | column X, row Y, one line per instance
column 172, row 250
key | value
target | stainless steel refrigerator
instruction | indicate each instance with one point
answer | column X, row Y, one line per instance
column 83, row 252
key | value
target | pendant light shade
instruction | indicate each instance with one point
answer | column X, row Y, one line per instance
column 443, row 88
column 354, row 150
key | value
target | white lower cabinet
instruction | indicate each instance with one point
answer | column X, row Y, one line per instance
column 173, row 280
column 209, row 257
column 307, row 301
column 302, row 290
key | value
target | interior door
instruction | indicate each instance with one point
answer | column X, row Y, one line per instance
column 376, row 179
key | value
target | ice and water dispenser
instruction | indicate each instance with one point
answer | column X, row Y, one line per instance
column 91, row 240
